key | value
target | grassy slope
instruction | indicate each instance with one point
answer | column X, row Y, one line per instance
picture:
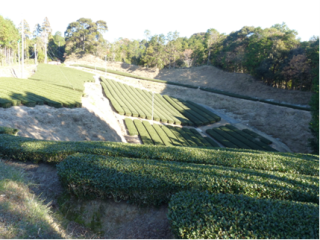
column 23, row 214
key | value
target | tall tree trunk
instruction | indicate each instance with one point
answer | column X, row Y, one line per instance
column 5, row 55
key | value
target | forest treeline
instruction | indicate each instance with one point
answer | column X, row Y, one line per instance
column 272, row 55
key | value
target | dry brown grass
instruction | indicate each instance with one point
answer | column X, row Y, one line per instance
column 22, row 214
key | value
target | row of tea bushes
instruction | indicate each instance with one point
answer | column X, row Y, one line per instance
column 135, row 102
column 14, row 92
column 232, row 137
column 213, row 90
column 59, row 75
column 167, row 135
column 201, row 215
column 138, row 103
column 52, row 85
column 28, row 149
column 153, row 182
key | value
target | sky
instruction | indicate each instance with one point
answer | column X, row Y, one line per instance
column 130, row 18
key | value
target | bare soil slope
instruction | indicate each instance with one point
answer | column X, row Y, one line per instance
column 207, row 76
column 240, row 83
column 95, row 121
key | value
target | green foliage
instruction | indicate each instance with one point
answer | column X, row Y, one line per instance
column 153, row 182
column 30, row 93
column 84, row 35
column 138, row 103
column 27, row 149
column 201, row 215
column 230, row 136
column 7, row 130
column 52, row 85
column 313, row 54
column 144, row 135
column 162, row 134
column 62, row 76
column 130, row 126
column 153, row 134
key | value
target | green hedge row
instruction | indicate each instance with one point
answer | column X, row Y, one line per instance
column 28, row 149
column 126, row 100
column 212, row 142
column 250, row 140
column 153, row 182
column 203, row 114
column 153, row 134
column 30, row 93
column 221, row 139
column 113, row 101
column 262, row 139
column 175, row 141
column 206, row 111
column 131, row 127
column 138, row 103
column 306, row 108
column 8, row 130
column 162, row 134
column 194, row 121
column 201, row 215
column 230, row 136
column 52, row 85
column 203, row 140
column 177, row 107
column 241, row 138
column 179, row 136
column 193, row 138
column 145, row 136
column 68, row 78
column 196, row 116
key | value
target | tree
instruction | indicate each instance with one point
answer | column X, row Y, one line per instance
column 37, row 30
column 9, row 36
column 46, row 27
column 174, row 46
column 84, row 34
column 312, row 53
column 188, row 57
column 212, row 39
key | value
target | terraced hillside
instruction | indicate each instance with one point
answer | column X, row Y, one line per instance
column 228, row 136
column 130, row 101
column 167, row 135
